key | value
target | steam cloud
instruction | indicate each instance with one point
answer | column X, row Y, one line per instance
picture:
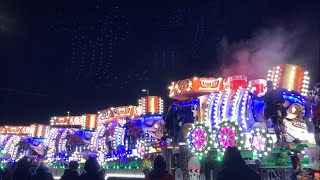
column 267, row 47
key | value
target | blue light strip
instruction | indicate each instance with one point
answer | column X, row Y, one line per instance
column 238, row 105
column 294, row 97
column 188, row 103
column 210, row 109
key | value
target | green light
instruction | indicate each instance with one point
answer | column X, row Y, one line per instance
column 129, row 167
column 200, row 158
column 219, row 159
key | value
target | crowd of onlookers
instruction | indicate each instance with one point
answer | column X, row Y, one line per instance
column 234, row 167
column 28, row 169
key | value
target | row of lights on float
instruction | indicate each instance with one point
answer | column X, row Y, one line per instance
column 61, row 141
column 305, row 84
column 96, row 140
column 11, row 147
column 142, row 104
column 125, row 175
column 50, row 143
column 225, row 104
column 216, row 112
column 292, row 77
column 119, row 131
column 209, row 109
column 161, row 105
column 274, row 76
column 234, row 104
column 243, row 109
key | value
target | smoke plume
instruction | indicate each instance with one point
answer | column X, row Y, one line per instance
column 269, row 46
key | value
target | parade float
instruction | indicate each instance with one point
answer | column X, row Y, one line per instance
column 69, row 138
column 125, row 134
column 19, row 141
column 222, row 112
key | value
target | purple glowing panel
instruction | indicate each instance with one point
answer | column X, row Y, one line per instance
column 198, row 138
column 259, row 143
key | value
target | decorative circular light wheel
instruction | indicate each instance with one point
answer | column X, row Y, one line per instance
column 261, row 142
column 199, row 139
column 229, row 133
column 142, row 148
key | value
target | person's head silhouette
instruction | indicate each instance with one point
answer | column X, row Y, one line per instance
column 74, row 165
column 232, row 157
column 91, row 166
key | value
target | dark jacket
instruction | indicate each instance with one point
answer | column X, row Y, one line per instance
column 70, row 174
column 42, row 173
column 92, row 176
column 156, row 176
column 239, row 173
column 235, row 167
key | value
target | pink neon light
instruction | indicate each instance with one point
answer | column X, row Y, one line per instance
column 227, row 137
column 198, row 138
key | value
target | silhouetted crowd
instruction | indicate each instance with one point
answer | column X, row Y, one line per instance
column 28, row 169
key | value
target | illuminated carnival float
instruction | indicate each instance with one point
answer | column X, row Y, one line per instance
column 68, row 138
column 125, row 134
column 222, row 112
column 19, row 141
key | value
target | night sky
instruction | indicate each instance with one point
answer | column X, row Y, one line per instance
column 84, row 56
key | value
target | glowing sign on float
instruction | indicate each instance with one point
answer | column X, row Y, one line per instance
column 113, row 113
column 209, row 83
column 69, row 120
column 88, row 121
column 194, row 87
column 15, row 130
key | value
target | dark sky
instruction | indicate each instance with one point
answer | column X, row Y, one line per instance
column 84, row 56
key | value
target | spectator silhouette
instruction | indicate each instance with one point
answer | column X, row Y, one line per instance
column 22, row 172
column 234, row 167
column 92, row 170
column 42, row 173
column 33, row 166
column 160, row 170
column 8, row 171
column 72, row 172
